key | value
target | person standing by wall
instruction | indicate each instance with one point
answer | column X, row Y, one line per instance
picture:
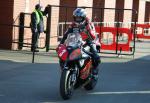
column 37, row 25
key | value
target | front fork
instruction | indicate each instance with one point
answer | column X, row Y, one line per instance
column 74, row 71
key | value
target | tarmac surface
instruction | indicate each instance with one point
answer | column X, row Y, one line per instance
column 121, row 79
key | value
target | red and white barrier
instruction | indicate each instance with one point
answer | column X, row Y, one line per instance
column 115, row 45
column 143, row 31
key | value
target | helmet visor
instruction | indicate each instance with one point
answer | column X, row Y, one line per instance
column 78, row 19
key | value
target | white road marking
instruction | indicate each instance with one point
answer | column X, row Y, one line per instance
column 123, row 92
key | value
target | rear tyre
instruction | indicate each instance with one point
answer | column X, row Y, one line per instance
column 66, row 85
column 91, row 85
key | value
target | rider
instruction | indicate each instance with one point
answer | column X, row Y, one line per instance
column 83, row 26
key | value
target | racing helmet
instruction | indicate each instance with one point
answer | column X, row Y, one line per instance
column 79, row 15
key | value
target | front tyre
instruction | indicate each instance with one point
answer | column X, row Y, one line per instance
column 66, row 85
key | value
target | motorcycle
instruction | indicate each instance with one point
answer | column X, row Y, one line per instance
column 76, row 66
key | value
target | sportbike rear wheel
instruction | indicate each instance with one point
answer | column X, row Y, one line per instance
column 91, row 85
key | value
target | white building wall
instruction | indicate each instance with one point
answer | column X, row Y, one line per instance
column 109, row 15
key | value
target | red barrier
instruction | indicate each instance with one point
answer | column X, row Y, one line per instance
column 142, row 34
column 115, row 45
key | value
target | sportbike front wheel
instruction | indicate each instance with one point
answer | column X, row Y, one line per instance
column 66, row 85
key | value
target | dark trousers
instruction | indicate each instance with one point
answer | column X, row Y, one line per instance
column 95, row 56
column 35, row 37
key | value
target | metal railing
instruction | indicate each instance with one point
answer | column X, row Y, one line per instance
column 62, row 26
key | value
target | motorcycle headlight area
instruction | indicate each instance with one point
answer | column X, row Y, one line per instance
column 75, row 54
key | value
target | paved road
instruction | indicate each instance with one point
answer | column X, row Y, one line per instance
column 121, row 80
